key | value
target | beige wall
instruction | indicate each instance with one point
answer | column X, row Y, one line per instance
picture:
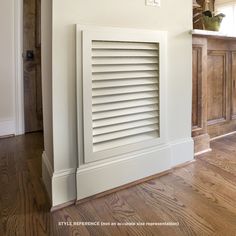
column 173, row 16
column 6, row 61
column 46, row 23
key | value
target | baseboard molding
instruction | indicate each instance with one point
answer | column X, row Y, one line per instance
column 202, row 152
column 47, row 173
column 61, row 206
column 7, row 128
column 201, row 143
column 103, row 194
column 99, row 195
column 115, row 174
column 64, row 187
column 222, row 136
column 182, row 151
column 60, row 185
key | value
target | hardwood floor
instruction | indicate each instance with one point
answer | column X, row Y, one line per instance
column 200, row 196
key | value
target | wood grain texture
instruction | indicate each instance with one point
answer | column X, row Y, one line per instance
column 200, row 196
column 214, row 89
column 32, row 68
column 217, row 87
column 199, row 95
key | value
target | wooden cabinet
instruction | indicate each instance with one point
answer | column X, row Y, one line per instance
column 214, row 89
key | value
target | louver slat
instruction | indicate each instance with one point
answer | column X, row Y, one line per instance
column 123, row 105
column 124, row 97
column 125, row 119
column 125, row 126
column 127, row 140
column 123, row 83
column 124, row 90
column 125, row 93
column 126, row 133
column 124, row 112
column 125, row 75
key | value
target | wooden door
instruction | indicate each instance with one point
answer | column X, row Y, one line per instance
column 233, row 109
column 32, row 66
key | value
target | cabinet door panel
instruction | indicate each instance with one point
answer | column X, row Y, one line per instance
column 233, row 109
column 217, row 87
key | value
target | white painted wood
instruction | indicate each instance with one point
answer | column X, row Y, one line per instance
column 19, row 89
column 124, row 61
column 126, row 90
column 124, row 133
column 131, row 167
column 127, row 142
column 120, row 87
column 125, row 119
column 124, row 53
column 124, row 82
column 7, row 127
column 211, row 33
column 130, row 75
column 125, row 97
column 126, row 104
column 47, row 173
column 124, row 112
column 124, row 45
column 112, row 174
column 60, row 185
column 182, row 151
column 124, row 126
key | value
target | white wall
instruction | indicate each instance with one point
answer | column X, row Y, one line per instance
column 173, row 16
column 7, row 67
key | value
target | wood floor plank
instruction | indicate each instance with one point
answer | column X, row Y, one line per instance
column 216, row 216
column 161, row 195
column 210, row 184
column 148, row 213
column 200, row 196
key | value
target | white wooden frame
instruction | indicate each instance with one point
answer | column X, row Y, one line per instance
column 19, row 83
column 85, row 35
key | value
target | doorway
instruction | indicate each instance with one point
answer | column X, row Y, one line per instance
column 32, row 66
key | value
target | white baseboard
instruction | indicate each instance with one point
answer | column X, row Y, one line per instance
column 47, row 173
column 7, row 127
column 182, row 151
column 93, row 180
column 67, row 185
column 61, row 185
column 64, row 187
column 97, row 179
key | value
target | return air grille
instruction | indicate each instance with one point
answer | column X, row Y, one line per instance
column 125, row 93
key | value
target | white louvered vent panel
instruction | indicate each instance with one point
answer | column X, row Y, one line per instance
column 125, row 93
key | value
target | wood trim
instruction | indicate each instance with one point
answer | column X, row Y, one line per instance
column 222, row 136
column 18, row 50
column 233, row 84
column 202, row 152
column 200, row 45
column 201, row 143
